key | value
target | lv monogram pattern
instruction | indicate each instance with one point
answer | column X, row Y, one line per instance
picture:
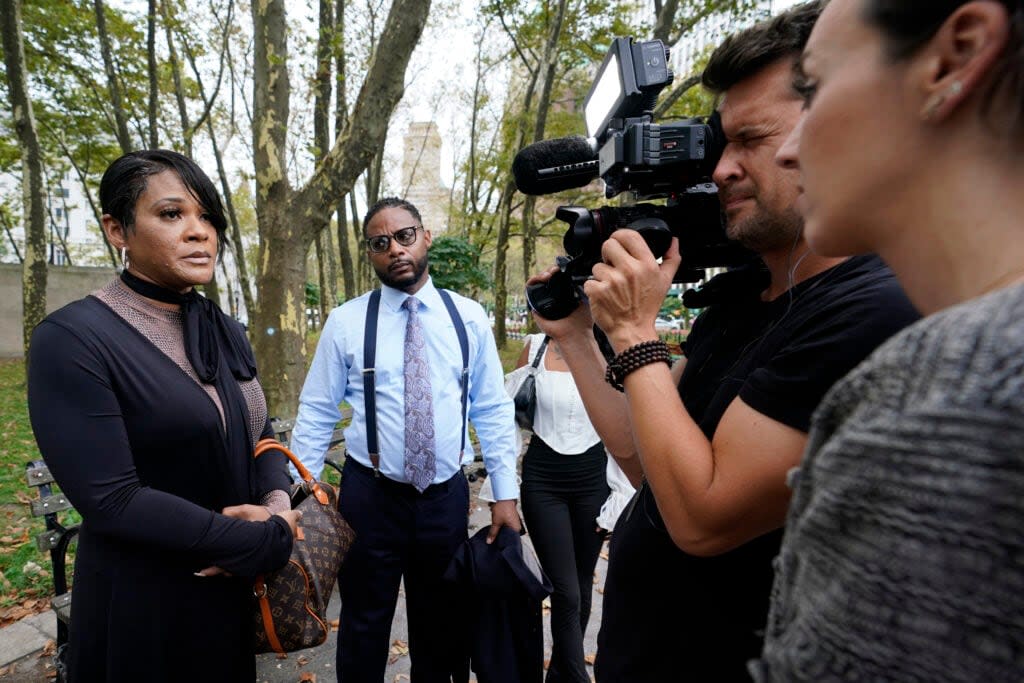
column 298, row 592
column 420, row 465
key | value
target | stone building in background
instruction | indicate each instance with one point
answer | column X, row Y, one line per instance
column 421, row 175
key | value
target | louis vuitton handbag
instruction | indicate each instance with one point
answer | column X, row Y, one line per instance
column 291, row 609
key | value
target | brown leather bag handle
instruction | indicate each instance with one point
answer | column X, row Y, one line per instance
column 260, row 586
column 271, row 444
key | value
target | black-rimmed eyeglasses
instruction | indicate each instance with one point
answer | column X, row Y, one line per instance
column 378, row 244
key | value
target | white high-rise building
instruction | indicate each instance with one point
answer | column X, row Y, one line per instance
column 73, row 238
column 421, row 175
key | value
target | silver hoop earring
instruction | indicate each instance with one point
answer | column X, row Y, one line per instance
column 124, row 257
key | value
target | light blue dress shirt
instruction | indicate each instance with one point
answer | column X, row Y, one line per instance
column 336, row 375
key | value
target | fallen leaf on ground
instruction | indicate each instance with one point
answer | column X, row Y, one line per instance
column 303, row 660
column 307, row 677
column 604, row 554
column 334, row 624
column 589, row 659
column 399, row 649
column 15, row 613
column 401, row 677
column 48, row 649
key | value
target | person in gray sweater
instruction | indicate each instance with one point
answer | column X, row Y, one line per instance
column 903, row 556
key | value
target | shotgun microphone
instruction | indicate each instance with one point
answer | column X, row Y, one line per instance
column 555, row 165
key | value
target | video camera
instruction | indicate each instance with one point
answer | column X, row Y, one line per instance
column 630, row 153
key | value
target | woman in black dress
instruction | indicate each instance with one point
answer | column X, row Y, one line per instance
column 145, row 405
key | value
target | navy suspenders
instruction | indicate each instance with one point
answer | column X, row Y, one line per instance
column 369, row 372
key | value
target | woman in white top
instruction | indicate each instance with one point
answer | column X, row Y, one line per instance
column 564, row 488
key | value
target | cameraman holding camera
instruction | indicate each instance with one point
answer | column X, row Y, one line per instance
column 711, row 439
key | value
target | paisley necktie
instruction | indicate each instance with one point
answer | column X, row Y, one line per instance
column 419, row 411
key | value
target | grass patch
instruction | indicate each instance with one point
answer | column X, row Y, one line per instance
column 25, row 579
column 510, row 354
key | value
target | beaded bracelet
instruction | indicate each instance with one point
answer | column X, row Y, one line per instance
column 634, row 358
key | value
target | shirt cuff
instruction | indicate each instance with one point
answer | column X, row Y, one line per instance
column 504, row 486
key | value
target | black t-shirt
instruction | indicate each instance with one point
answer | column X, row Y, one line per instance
column 670, row 616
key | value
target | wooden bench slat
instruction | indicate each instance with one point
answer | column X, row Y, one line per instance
column 281, row 426
column 48, row 540
column 61, row 604
column 38, row 475
column 58, row 502
column 283, row 433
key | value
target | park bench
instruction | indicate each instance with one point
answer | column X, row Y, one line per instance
column 56, row 539
column 59, row 534
column 335, row 456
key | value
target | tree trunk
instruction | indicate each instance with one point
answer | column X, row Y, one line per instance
column 665, row 17
column 500, row 267
column 179, row 89
column 322, row 142
column 212, row 289
column 321, row 275
column 363, row 273
column 10, row 235
column 236, row 230
column 33, row 294
column 332, row 271
column 279, row 326
column 348, row 273
column 546, row 68
column 116, row 101
column 279, row 331
column 290, row 221
column 232, row 304
column 154, row 92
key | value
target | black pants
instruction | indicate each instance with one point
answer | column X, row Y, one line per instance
column 400, row 532
column 562, row 496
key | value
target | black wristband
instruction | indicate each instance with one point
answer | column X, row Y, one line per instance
column 634, row 358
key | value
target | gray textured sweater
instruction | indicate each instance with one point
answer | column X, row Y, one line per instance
column 903, row 558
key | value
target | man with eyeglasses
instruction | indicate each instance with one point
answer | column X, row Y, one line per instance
column 402, row 486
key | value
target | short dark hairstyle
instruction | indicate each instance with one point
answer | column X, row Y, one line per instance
column 745, row 53
column 390, row 203
column 908, row 24
column 126, row 178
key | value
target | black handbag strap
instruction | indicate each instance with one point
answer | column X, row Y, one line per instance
column 369, row 372
column 540, row 351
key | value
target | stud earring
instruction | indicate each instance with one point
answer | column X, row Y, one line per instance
column 935, row 102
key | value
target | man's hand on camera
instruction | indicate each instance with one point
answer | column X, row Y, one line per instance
column 628, row 288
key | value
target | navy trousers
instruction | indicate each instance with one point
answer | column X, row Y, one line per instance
column 401, row 532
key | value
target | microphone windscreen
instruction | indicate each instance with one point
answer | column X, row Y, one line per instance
column 554, row 165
